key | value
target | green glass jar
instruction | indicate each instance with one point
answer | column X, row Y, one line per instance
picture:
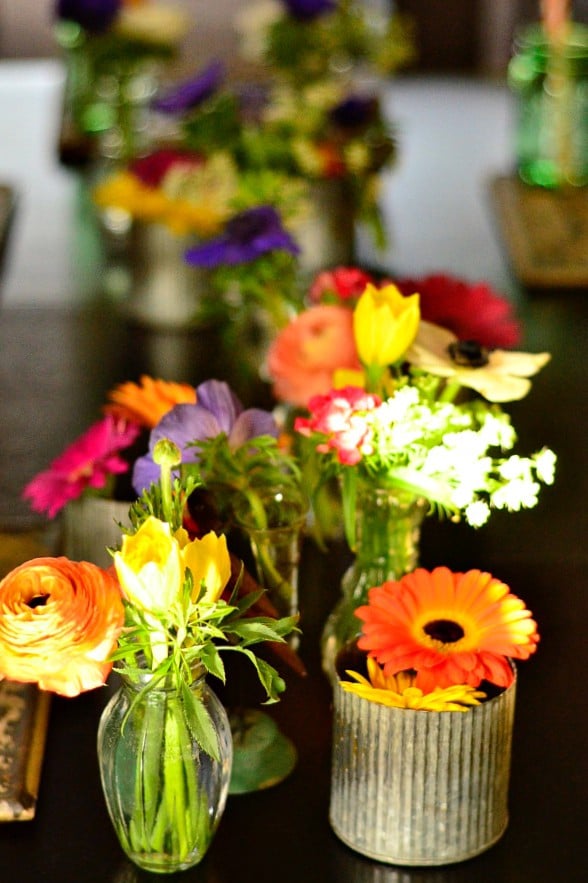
column 551, row 85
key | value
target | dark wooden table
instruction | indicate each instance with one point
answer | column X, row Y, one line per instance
column 56, row 364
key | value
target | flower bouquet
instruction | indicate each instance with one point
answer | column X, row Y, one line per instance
column 114, row 51
column 227, row 219
column 402, row 432
column 430, row 681
column 165, row 615
column 251, row 490
column 307, row 149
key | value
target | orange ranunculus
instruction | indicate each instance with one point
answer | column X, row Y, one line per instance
column 306, row 353
column 149, row 400
column 59, row 623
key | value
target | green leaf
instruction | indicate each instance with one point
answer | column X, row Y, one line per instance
column 211, row 659
column 203, row 730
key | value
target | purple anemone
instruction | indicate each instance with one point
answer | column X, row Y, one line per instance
column 217, row 410
column 93, row 15
column 247, row 236
column 307, row 10
column 190, row 93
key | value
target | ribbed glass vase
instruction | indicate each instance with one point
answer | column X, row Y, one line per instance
column 387, row 536
column 165, row 795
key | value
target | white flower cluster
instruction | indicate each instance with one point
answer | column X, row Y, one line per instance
column 453, row 455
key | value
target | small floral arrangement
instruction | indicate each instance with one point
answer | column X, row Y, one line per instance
column 440, row 641
column 163, row 615
column 396, row 415
column 103, row 454
column 282, row 138
column 304, row 40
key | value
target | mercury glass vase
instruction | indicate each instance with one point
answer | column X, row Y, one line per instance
column 163, row 291
column 412, row 787
column 387, row 535
column 165, row 795
column 550, row 82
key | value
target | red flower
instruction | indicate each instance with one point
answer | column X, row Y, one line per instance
column 152, row 169
column 473, row 311
column 343, row 284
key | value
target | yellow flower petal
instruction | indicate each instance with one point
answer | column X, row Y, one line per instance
column 149, row 566
column 210, row 565
column 385, row 324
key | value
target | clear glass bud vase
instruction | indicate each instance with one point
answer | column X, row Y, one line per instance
column 387, row 534
column 165, row 795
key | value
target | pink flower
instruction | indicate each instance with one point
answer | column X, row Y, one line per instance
column 86, row 463
column 472, row 311
column 339, row 418
column 343, row 284
column 305, row 354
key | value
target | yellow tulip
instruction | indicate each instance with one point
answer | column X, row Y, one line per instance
column 385, row 323
column 210, row 565
column 149, row 566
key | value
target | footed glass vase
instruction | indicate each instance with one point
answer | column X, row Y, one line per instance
column 387, row 535
column 263, row 755
column 164, row 793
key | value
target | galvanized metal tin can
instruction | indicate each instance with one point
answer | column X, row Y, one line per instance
column 413, row 787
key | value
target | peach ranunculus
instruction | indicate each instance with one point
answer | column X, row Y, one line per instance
column 305, row 355
column 59, row 623
column 149, row 400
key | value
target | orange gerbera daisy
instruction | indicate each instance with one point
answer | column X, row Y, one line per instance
column 149, row 400
column 451, row 628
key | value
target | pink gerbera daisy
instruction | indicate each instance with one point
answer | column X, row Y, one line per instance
column 88, row 462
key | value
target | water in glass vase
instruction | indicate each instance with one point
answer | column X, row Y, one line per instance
column 165, row 795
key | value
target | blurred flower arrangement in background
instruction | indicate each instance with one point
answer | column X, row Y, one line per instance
column 307, row 40
column 115, row 51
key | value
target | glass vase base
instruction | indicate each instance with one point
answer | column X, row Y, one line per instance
column 262, row 755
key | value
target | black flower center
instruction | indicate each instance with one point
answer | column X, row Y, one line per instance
column 37, row 601
column 468, row 354
column 445, row 630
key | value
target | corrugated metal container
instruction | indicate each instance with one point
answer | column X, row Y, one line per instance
column 420, row 787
